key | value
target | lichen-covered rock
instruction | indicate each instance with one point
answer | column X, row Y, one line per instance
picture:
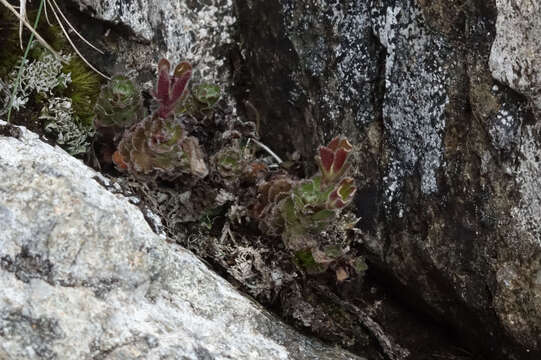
column 194, row 31
column 447, row 165
column 84, row 277
column 447, row 156
column 515, row 56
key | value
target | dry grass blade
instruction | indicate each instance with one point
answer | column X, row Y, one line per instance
column 47, row 16
column 22, row 13
column 29, row 27
column 267, row 149
column 72, row 27
column 71, row 41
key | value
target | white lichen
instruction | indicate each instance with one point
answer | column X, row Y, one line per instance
column 59, row 121
column 190, row 31
column 528, row 176
column 41, row 76
column 414, row 102
column 514, row 57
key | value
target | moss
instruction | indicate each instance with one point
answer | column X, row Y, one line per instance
column 83, row 89
column 85, row 84
column 11, row 52
column 305, row 260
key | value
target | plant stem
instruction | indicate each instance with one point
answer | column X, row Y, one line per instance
column 267, row 149
column 19, row 73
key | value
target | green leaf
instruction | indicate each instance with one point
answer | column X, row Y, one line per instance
column 305, row 260
column 208, row 94
column 323, row 215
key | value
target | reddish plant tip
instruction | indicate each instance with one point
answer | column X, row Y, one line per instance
column 164, row 81
column 119, row 161
column 327, row 157
column 164, row 64
column 169, row 89
column 339, row 159
column 333, row 145
column 340, row 142
column 332, row 159
column 179, row 86
column 183, row 68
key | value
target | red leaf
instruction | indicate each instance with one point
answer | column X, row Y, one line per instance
column 333, row 145
column 182, row 68
column 164, row 81
column 119, row 160
column 345, row 144
column 179, row 86
column 338, row 204
column 327, row 157
column 339, row 159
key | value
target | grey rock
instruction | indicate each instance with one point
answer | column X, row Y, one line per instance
column 447, row 158
column 514, row 58
column 84, row 277
column 177, row 30
column 415, row 100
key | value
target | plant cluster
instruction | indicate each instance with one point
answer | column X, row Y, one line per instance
column 235, row 161
column 45, row 83
column 119, row 105
column 307, row 213
column 156, row 144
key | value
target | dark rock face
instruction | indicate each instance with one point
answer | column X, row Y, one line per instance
column 447, row 164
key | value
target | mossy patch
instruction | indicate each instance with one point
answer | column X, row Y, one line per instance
column 11, row 52
column 305, row 260
column 83, row 89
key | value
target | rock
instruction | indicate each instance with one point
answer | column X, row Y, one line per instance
column 447, row 152
column 177, row 30
column 447, row 162
column 514, row 58
column 84, row 277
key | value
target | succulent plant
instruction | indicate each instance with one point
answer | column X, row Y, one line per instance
column 301, row 210
column 119, row 104
column 332, row 159
column 158, row 145
column 229, row 162
column 171, row 88
column 207, row 94
column 235, row 163
column 311, row 206
column 267, row 208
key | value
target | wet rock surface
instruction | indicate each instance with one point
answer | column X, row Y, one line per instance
column 84, row 277
column 447, row 167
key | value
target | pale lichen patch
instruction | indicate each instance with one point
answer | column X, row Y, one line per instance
column 528, row 176
column 414, row 101
column 188, row 31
